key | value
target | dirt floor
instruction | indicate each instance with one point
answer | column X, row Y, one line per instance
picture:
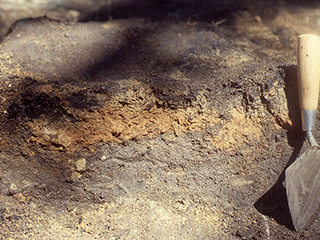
column 127, row 119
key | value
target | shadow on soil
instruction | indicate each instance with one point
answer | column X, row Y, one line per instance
column 158, row 10
column 274, row 203
column 129, row 53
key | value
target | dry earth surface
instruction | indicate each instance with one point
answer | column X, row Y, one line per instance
column 150, row 119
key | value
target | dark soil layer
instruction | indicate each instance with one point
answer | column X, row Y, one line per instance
column 151, row 120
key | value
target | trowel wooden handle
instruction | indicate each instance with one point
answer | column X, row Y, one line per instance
column 308, row 70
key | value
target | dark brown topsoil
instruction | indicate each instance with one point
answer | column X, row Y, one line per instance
column 152, row 120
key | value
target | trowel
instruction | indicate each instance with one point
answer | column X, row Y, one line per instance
column 303, row 176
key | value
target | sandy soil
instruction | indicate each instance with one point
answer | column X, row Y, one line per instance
column 150, row 120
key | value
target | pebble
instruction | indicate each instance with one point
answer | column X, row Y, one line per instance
column 13, row 189
column 258, row 19
column 81, row 165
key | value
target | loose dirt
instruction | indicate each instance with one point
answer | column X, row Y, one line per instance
column 134, row 120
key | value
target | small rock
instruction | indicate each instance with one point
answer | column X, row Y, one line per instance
column 81, row 165
column 103, row 157
column 13, row 189
column 258, row 19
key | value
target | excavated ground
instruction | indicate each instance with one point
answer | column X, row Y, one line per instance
column 134, row 120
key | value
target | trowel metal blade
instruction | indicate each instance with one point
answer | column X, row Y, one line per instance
column 303, row 187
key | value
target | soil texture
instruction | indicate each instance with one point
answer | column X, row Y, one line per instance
column 150, row 119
